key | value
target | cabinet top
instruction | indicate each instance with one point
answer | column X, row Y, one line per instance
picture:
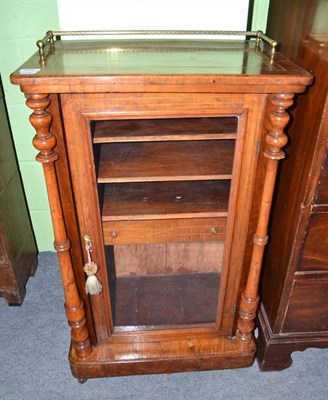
column 160, row 65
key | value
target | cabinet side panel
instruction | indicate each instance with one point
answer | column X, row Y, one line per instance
column 241, row 219
column 82, row 172
column 67, row 199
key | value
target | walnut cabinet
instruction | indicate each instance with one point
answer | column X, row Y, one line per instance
column 160, row 159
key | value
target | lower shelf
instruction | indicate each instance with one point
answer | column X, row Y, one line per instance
column 159, row 301
column 135, row 355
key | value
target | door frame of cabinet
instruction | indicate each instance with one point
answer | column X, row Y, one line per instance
column 83, row 108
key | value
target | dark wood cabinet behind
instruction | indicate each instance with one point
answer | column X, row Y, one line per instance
column 17, row 244
column 294, row 290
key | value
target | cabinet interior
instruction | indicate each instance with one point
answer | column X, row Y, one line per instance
column 163, row 189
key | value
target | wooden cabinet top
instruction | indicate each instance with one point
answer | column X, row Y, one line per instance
column 200, row 65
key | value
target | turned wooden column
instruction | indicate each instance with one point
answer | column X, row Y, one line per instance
column 275, row 140
column 45, row 142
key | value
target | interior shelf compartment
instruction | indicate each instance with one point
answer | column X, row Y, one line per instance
column 147, row 302
column 166, row 161
column 164, row 258
column 155, row 200
column 131, row 130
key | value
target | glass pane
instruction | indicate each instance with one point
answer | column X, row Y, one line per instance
column 164, row 188
column 163, row 284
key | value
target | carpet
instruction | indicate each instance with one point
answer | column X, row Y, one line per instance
column 34, row 342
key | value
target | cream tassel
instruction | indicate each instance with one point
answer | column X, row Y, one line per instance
column 92, row 284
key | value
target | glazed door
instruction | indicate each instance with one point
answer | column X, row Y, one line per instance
column 163, row 188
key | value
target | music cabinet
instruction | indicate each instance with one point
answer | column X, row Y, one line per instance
column 160, row 157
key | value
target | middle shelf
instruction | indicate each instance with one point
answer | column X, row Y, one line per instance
column 165, row 161
column 155, row 200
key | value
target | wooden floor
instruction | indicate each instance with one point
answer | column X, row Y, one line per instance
column 178, row 299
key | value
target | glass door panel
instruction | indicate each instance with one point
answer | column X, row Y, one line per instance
column 164, row 187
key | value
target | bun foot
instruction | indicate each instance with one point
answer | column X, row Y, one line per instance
column 82, row 380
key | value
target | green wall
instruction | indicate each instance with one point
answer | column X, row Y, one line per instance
column 21, row 24
column 260, row 13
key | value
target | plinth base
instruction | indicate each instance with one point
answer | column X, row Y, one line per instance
column 145, row 353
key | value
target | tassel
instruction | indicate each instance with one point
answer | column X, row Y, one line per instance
column 92, row 284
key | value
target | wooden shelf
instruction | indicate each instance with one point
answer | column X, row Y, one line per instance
column 132, row 130
column 153, row 200
column 179, row 299
column 166, row 161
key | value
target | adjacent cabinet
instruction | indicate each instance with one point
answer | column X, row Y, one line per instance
column 18, row 250
column 294, row 290
column 160, row 159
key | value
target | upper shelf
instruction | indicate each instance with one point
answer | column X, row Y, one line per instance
column 134, row 130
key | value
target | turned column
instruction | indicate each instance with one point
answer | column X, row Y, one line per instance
column 45, row 142
column 275, row 140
